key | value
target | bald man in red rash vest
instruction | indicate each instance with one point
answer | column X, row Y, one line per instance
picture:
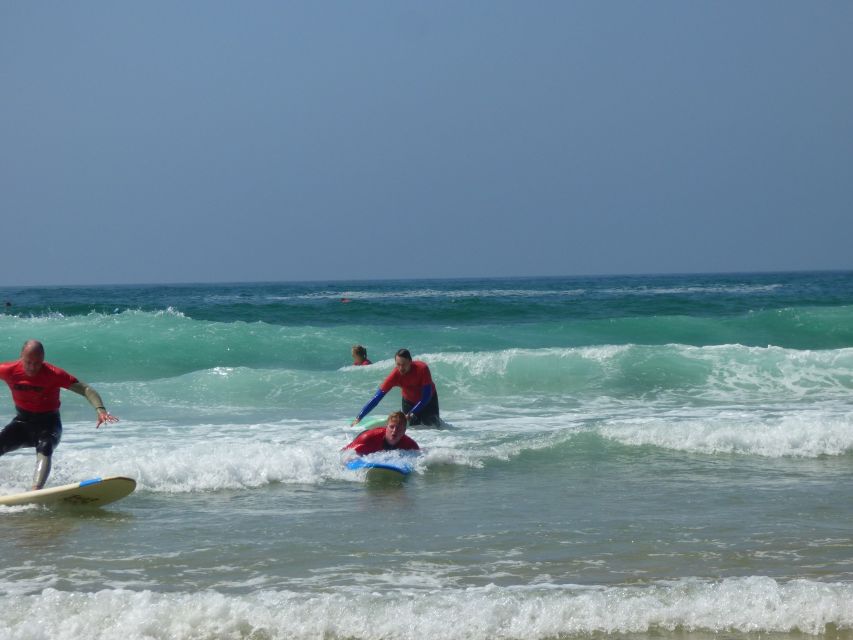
column 35, row 386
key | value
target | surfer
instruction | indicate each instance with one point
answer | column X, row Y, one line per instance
column 35, row 386
column 388, row 438
column 420, row 398
column 359, row 356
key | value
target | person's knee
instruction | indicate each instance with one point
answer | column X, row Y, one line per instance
column 46, row 444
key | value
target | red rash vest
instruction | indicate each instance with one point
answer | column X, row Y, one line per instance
column 39, row 394
column 412, row 383
column 373, row 440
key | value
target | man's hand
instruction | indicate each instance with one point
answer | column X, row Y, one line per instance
column 104, row 417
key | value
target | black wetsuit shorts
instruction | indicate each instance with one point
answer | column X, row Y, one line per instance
column 40, row 430
column 427, row 416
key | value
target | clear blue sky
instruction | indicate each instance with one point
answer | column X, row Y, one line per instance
column 195, row 141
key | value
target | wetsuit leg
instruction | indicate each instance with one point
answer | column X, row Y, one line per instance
column 15, row 435
column 48, row 437
column 42, row 431
column 428, row 416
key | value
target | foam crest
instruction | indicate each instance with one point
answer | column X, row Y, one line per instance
column 759, row 372
column 804, row 434
column 168, row 458
column 735, row 605
column 511, row 377
column 416, row 294
column 229, row 463
column 717, row 373
column 498, row 362
column 493, row 439
column 732, row 289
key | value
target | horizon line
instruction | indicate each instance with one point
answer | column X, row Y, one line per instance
column 189, row 283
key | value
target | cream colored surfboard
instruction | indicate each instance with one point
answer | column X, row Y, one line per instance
column 94, row 492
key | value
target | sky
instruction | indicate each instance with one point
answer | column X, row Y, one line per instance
column 210, row 141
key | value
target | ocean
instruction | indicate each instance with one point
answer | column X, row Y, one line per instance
column 650, row 457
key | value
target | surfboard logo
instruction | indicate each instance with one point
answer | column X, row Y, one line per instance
column 77, row 499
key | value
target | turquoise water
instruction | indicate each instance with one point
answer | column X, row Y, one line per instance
column 649, row 456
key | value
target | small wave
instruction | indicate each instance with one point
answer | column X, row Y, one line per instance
column 224, row 463
column 430, row 293
column 734, row 605
column 741, row 289
column 171, row 459
column 403, row 294
column 724, row 373
column 802, row 434
column 32, row 318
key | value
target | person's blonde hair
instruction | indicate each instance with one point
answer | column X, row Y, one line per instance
column 398, row 416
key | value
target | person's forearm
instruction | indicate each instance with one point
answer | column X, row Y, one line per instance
column 426, row 396
column 89, row 393
column 372, row 404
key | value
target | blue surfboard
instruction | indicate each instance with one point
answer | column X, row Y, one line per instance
column 384, row 469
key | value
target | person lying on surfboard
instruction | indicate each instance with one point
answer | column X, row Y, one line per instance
column 388, row 438
column 35, row 386
column 420, row 398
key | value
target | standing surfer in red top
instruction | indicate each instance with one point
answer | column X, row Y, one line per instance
column 35, row 386
column 420, row 399
column 388, row 438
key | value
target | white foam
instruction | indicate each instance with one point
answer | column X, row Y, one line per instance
column 478, row 363
column 738, row 289
column 229, row 463
column 802, row 433
column 169, row 458
column 762, row 372
column 432, row 293
column 487, row 438
column 733, row 605
column 729, row 371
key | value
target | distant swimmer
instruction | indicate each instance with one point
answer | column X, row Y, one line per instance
column 420, row 398
column 359, row 356
column 388, row 438
column 35, row 386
